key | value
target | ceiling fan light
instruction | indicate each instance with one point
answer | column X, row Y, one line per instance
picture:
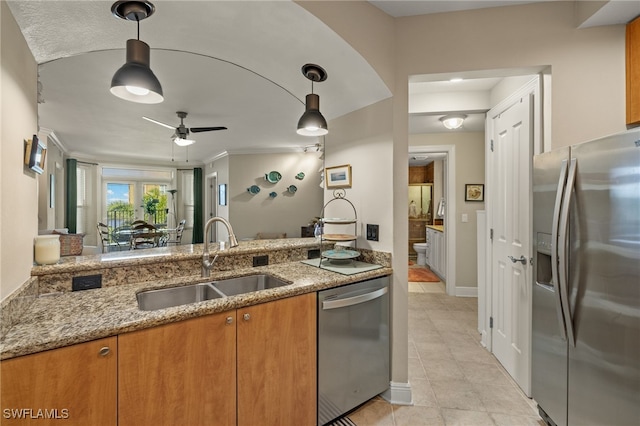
column 312, row 123
column 135, row 81
column 183, row 142
column 453, row 122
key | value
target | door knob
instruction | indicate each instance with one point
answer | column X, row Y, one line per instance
column 521, row 259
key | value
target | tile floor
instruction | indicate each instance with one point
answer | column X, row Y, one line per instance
column 454, row 380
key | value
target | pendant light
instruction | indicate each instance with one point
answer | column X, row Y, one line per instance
column 135, row 81
column 312, row 123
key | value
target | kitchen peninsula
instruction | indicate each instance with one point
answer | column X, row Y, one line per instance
column 95, row 347
column 58, row 317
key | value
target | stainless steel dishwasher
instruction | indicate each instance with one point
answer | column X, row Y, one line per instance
column 353, row 346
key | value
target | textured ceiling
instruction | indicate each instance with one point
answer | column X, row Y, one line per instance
column 234, row 64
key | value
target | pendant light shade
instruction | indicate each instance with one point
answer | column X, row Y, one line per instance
column 312, row 123
column 135, row 81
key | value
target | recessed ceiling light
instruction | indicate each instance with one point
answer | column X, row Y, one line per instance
column 455, row 79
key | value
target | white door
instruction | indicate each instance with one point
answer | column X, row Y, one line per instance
column 511, row 271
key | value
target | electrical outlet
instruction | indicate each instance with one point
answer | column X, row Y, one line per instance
column 261, row 260
column 372, row 232
column 86, row 283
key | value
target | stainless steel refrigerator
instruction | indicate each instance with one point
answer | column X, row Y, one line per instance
column 586, row 292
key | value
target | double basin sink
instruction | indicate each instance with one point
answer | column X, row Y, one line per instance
column 151, row 300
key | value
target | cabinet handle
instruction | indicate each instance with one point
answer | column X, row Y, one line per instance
column 229, row 320
column 246, row 317
column 104, row 351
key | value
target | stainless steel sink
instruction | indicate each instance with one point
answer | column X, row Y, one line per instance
column 241, row 285
column 174, row 296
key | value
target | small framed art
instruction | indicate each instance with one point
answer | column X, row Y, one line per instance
column 338, row 176
column 474, row 192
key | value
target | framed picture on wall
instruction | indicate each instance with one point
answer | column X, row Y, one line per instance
column 338, row 176
column 222, row 194
column 474, row 192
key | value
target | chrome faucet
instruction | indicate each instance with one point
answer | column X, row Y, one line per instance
column 233, row 242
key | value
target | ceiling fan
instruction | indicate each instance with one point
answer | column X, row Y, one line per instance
column 181, row 135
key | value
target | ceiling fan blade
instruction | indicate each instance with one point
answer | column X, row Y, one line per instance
column 158, row 122
column 206, row 129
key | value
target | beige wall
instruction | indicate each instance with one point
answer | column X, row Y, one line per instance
column 469, row 168
column 363, row 140
column 250, row 214
column 587, row 65
column 19, row 186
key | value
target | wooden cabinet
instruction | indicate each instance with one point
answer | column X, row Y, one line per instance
column 277, row 362
column 421, row 174
column 633, row 72
column 74, row 385
column 255, row 365
column 179, row 373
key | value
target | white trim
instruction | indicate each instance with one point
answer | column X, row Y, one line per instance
column 466, row 291
column 450, row 209
column 398, row 393
column 54, row 138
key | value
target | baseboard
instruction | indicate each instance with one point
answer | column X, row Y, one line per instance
column 398, row 393
column 467, row 291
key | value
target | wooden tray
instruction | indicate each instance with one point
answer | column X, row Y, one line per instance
column 339, row 237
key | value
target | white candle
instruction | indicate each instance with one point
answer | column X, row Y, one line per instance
column 47, row 249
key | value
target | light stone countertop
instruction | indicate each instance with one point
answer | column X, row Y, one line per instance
column 439, row 228
column 64, row 319
column 159, row 254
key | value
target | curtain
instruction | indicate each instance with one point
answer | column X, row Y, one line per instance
column 198, row 231
column 71, row 196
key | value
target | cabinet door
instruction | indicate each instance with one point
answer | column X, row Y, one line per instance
column 277, row 362
column 182, row 373
column 74, row 385
column 633, row 72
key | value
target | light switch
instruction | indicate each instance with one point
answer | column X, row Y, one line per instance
column 465, row 217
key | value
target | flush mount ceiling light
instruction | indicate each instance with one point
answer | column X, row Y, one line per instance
column 312, row 123
column 454, row 121
column 135, row 81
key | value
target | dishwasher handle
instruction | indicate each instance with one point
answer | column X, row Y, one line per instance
column 355, row 300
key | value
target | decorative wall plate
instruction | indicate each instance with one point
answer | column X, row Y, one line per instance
column 273, row 177
column 273, row 194
column 300, row 176
column 292, row 189
column 253, row 189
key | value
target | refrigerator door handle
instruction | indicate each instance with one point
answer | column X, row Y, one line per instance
column 554, row 247
column 562, row 251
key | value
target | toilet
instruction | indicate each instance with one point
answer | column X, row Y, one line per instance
column 421, row 249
